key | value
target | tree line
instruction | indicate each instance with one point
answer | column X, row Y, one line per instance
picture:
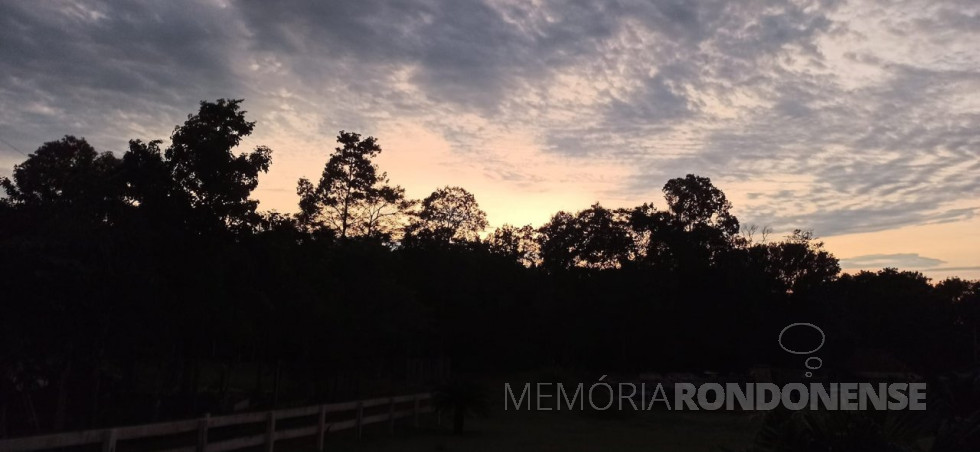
column 149, row 285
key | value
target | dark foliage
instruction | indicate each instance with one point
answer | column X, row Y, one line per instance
column 148, row 286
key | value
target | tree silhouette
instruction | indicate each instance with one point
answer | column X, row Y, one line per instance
column 695, row 201
column 697, row 229
column 654, row 232
column 520, row 244
column 62, row 203
column 209, row 176
column 149, row 185
column 67, row 177
column 149, row 286
column 593, row 238
column 449, row 215
column 799, row 263
column 964, row 296
column 352, row 197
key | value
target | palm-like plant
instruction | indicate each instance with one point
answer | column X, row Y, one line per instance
column 844, row 431
column 959, row 403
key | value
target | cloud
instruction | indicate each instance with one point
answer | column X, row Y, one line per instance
column 840, row 116
column 908, row 261
column 951, row 269
column 901, row 260
column 110, row 71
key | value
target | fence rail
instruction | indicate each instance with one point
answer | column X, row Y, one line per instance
column 108, row 437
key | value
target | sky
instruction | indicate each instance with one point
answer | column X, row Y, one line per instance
column 857, row 120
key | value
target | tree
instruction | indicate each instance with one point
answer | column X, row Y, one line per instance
column 214, row 181
column 352, row 197
column 653, row 231
column 594, row 238
column 449, row 215
column 693, row 233
column 964, row 298
column 516, row 243
column 694, row 202
column 67, row 176
column 149, row 185
column 897, row 311
column 61, row 207
column 799, row 263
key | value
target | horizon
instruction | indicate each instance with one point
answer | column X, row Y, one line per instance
column 854, row 122
column 356, row 224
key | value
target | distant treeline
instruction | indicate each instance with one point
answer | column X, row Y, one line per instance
column 126, row 280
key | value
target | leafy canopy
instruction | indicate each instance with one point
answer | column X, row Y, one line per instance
column 352, row 197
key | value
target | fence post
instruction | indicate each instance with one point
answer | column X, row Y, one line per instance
column 321, row 427
column 415, row 410
column 270, row 432
column 202, row 432
column 391, row 416
column 360, row 417
column 109, row 441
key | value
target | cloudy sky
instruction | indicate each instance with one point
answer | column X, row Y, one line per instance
column 856, row 120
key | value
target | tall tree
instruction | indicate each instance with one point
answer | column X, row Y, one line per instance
column 697, row 227
column 210, row 177
column 353, row 197
column 58, row 217
column 695, row 201
column 449, row 215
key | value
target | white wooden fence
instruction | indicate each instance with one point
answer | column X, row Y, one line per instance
column 398, row 407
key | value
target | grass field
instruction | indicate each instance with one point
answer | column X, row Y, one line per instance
column 567, row 431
